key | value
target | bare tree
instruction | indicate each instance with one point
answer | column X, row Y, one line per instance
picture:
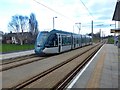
column 19, row 24
column 33, row 24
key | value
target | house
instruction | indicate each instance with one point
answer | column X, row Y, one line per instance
column 14, row 38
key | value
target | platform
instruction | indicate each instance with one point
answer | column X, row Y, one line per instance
column 16, row 54
column 102, row 72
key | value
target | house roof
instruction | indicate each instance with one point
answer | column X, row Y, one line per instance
column 15, row 34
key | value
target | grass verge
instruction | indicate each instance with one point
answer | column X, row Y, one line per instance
column 110, row 40
column 4, row 48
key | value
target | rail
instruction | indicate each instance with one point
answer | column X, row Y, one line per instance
column 45, row 76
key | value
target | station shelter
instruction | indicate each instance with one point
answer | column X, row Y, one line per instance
column 116, row 18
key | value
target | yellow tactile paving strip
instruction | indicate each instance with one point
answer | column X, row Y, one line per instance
column 96, row 75
column 103, row 71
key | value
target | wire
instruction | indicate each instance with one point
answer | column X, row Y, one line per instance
column 54, row 10
column 87, row 9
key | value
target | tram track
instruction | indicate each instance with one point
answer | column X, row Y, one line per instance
column 42, row 76
column 16, row 76
column 17, row 63
column 16, row 59
column 66, row 80
column 57, row 81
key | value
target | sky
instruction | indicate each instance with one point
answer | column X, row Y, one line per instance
column 68, row 13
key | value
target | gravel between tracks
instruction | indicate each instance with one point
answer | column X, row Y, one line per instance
column 52, row 79
column 17, row 75
column 20, row 63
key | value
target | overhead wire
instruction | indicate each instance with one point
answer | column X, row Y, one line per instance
column 53, row 10
column 87, row 9
column 62, row 14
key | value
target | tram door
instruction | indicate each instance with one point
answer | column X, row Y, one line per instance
column 59, row 43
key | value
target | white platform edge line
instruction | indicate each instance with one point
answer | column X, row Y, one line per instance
column 78, row 76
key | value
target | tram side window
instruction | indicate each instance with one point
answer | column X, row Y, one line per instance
column 55, row 40
column 66, row 40
column 69, row 40
column 52, row 40
column 83, row 39
column 77, row 40
column 63, row 40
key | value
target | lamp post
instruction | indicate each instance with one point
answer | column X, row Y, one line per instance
column 79, row 26
column 54, row 22
column 100, row 25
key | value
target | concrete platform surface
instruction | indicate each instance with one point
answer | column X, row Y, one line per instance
column 102, row 72
column 15, row 54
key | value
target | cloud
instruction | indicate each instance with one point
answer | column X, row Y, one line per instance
column 101, row 10
column 69, row 12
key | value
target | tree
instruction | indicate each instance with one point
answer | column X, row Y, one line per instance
column 19, row 24
column 33, row 24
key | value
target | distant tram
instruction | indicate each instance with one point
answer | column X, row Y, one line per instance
column 57, row 41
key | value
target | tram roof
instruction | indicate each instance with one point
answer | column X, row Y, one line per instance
column 60, row 31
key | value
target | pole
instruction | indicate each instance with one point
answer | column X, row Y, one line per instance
column 92, row 31
column 79, row 27
column 115, row 24
column 100, row 36
column 54, row 22
column 73, row 28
